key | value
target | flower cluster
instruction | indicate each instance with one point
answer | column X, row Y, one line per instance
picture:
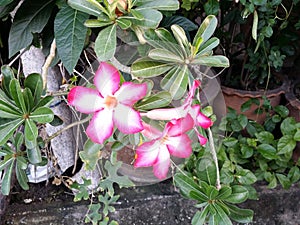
column 112, row 106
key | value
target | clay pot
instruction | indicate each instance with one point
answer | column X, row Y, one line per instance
column 235, row 98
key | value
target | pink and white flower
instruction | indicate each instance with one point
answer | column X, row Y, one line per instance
column 110, row 104
column 180, row 112
column 171, row 141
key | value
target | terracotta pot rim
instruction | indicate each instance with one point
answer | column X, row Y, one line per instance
column 254, row 94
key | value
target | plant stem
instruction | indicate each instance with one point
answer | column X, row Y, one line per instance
column 48, row 63
column 120, row 66
column 66, row 128
column 214, row 155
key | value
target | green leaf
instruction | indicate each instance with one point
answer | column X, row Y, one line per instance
column 176, row 81
column 297, row 135
column 222, row 215
column 6, row 181
column 34, row 155
column 22, row 177
column 70, row 34
column 5, row 10
column 165, row 55
column 286, row 144
column 187, row 185
column 7, row 129
column 239, row 194
column 5, row 2
column 6, row 162
column 206, row 171
column 182, row 40
column 265, row 137
column 123, row 23
column 9, row 110
column 147, row 68
column 151, row 18
column 158, row 100
column 16, row 93
column 42, row 115
column 8, row 75
column 245, row 177
column 166, row 5
column 294, row 174
column 44, row 102
column 288, row 126
column 281, row 110
column 30, row 131
column 200, row 216
column 86, row 6
column 31, row 17
column 224, row 192
column 93, row 23
column 267, row 151
column 284, row 181
column 214, row 61
column 208, row 46
column 91, row 154
column 28, row 99
column 206, row 29
column 106, row 43
column 240, row 215
column 35, row 83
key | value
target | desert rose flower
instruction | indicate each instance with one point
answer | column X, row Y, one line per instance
column 171, row 141
column 110, row 104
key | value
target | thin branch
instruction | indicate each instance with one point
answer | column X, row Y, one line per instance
column 120, row 66
column 48, row 63
column 214, row 155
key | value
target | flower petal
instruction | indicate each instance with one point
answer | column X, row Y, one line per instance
column 85, row 100
column 101, row 126
column 203, row 121
column 107, row 79
column 191, row 93
column 202, row 139
column 146, row 154
column 162, row 165
column 166, row 114
column 127, row 120
column 180, row 146
column 150, row 132
column 179, row 126
column 129, row 93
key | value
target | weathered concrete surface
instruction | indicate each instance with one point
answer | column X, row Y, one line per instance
column 156, row 204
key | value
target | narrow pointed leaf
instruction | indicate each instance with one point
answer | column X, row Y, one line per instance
column 28, row 99
column 147, row 68
column 16, row 93
column 221, row 215
column 93, row 23
column 35, row 83
column 6, row 182
column 158, row 100
column 8, row 110
column 70, row 34
column 22, row 177
column 181, row 38
column 168, row 5
column 176, row 81
column 31, row 17
column 165, row 55
column 42, row 115
column 240, row 215
column 200, row 216
column 208, row 46
column 106, row 43
column 7, row 129
column 85, row 6
column 206, row 170
column 206, row 29
column 214, row 61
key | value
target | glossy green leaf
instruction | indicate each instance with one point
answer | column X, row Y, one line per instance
column 239, row 194
column 182, row 40
column 214, row 61
column 286, row 144
column 176, row 81
column 151, row 18
column 206, row 171
column 284, row 181
column 240, row 215
column 28, row 99
column 16, row 93
column 70, row 35
column 265, row 137
column 123, row 23
column 106, row 43
column 6, row 181
column 8, row 75
column 22, row 162
column 91, row 154
column 30, row 131
column 5, row 10
column 189, row 187
column 42, row 115
column 297, row 135
column 294, row 174
column 267, row 151
column 165, row 55
column 245, row 177
column 86, row 6
column 147, row 68
column 288, row 126
column 222, row 215
column 34, row 155
column 35, row 83
column 166, row 5
column 7, row 129
column 200, row 216
column 22, row 178
column 9, row 110
column 158, row 100
column 44, row 102
column 206, row 29
column 31, row 17
column 6, row 162
column 224, row 192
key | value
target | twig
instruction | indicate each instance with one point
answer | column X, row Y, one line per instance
column 214, row 155
column 48, row 63
column 66, row 128
column 120, row 66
